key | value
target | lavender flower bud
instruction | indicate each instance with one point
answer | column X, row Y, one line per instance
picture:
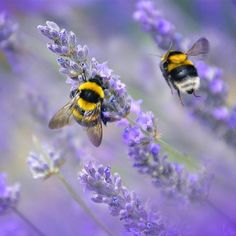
column 9, row 195
column 108, row 189
column 58, row 49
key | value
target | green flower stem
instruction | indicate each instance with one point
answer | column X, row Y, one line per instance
column 82, row 204
column 174, row 154
column 27, row 221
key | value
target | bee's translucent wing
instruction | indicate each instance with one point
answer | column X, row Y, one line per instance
column 63, row 116
column 200, row 47
column 94, row 131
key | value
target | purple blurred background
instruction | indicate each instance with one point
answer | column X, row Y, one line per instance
column 32, row 90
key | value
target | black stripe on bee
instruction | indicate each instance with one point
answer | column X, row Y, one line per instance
column 89, row 96
column 181, row 73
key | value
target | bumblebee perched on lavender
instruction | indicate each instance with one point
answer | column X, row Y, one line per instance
column 85, row 107
column 179, row 72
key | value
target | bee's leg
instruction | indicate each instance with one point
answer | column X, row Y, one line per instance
column 180, row 98
column 195, row 95
column 168, row 82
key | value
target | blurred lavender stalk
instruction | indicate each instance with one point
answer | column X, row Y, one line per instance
column 126, row 205
column 211, row 110
column 7, row 42
column 9, row 198
column 46, row 162
column 7, row 28
column 38, row 105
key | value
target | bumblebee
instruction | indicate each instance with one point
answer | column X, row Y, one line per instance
column 85, row 107
column 180, row 72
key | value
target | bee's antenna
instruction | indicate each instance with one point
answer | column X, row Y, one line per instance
column 171, row 44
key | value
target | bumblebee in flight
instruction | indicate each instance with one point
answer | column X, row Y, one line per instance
column 179, row 72
column 85, row 107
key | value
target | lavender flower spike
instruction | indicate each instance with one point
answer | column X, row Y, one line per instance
column 212, row 110
column 9, row 195
column 75, row 63
column 45, row 163
column 108, row 189
column 149, row 158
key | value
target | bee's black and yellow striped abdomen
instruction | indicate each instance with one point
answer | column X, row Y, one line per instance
column 91, row 94
column 180, row 71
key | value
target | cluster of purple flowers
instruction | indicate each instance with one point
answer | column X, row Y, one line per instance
column 150, row 158
column 77, row 66
column 108, row 189
column 211, row 109
column 9, row 195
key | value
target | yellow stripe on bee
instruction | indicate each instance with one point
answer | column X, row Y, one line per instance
column 85, row 105
column 94, row 87
column 172, row 66
column 78, row 116
column 178, row 58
